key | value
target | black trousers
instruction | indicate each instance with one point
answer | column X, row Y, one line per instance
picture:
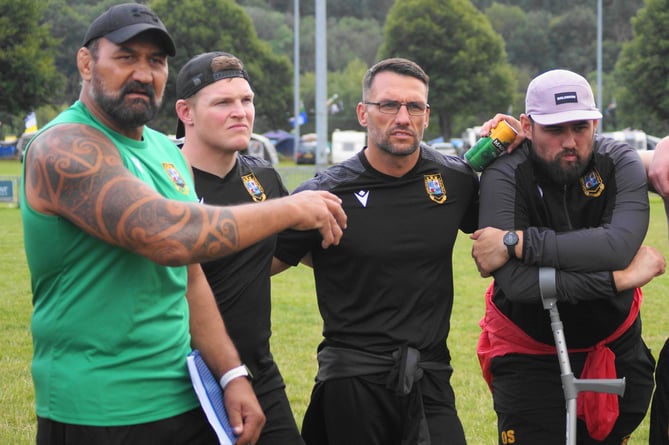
column 362, row 411
column 530, row 405
column 190, row 428
column 659, row 410
column 280, row 427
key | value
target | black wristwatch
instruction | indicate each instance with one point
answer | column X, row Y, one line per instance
column 510, row 241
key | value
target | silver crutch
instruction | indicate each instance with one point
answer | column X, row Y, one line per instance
column 570, row 384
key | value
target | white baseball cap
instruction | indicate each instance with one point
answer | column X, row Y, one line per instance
column 560, row 96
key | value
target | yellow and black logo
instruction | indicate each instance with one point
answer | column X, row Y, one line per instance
column 592, row 184
column 176, row 177
column 434, row 186
column 254, row 187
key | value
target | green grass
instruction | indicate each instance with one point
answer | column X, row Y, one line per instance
column 297, row 332
column 10, row 167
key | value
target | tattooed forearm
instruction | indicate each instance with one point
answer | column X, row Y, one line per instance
column 177, row 232
column 75, row 172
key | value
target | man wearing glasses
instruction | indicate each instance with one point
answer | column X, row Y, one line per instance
column 386, row 292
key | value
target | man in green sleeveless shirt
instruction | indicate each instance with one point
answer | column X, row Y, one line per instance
column 113, row 237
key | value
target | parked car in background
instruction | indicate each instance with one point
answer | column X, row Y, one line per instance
column 8, row 150
column 454, row 147
column 306, row 152
column 346, row 143
column 445, row 148
column 636, row 138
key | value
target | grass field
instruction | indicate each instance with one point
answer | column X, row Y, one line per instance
column 297, row 328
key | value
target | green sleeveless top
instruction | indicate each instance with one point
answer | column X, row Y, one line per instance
column 110, row 328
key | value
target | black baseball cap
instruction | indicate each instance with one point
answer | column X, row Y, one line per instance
column 199, row 72
column 121, row 23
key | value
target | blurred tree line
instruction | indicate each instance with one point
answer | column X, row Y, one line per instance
column 479, row 54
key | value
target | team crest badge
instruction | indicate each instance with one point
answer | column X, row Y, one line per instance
column 592, row 184
column 434, row 186
column 176, row 177
column 254, row 187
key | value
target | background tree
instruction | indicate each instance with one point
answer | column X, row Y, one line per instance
column 573, row 37
column 375, row 9
column 348, row 38
column 643, row 72
column 470, row 78
column 69, row 20
column 273, row 27
column 542, row 36
column 526, row 35
column 347, row 85
column 221, row 25
column 538, row 35
column 353, row 38
column 27, row 72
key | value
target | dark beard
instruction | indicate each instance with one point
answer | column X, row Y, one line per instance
column 559, row 174
column 129, row 114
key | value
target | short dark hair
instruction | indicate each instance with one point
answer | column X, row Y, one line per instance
column 396, row 65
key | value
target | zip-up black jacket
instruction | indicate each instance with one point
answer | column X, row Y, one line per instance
column 585, row 230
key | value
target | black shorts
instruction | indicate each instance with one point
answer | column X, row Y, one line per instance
column 360, row 411
column 189, row 428
column 659, row 410
column 530, row 404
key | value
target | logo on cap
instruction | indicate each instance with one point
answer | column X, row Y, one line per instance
column 566, row 98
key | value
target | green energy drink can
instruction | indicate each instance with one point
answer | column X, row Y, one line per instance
column 489, row 147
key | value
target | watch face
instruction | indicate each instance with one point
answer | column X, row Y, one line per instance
column 510, row 238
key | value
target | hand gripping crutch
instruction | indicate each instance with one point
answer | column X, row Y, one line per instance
column 570, row 384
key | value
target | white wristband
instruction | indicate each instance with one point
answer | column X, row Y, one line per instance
column 238, row 371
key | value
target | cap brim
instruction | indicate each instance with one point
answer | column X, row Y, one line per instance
column 566, row 116
column 128, row 32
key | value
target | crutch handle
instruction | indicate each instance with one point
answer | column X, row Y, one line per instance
column 547, row 287
column 609, row 386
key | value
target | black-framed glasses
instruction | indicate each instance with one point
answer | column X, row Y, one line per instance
column 393, row 107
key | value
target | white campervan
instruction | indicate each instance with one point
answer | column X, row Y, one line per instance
column 346, row 143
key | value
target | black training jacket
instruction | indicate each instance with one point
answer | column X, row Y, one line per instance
column 585, row 230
